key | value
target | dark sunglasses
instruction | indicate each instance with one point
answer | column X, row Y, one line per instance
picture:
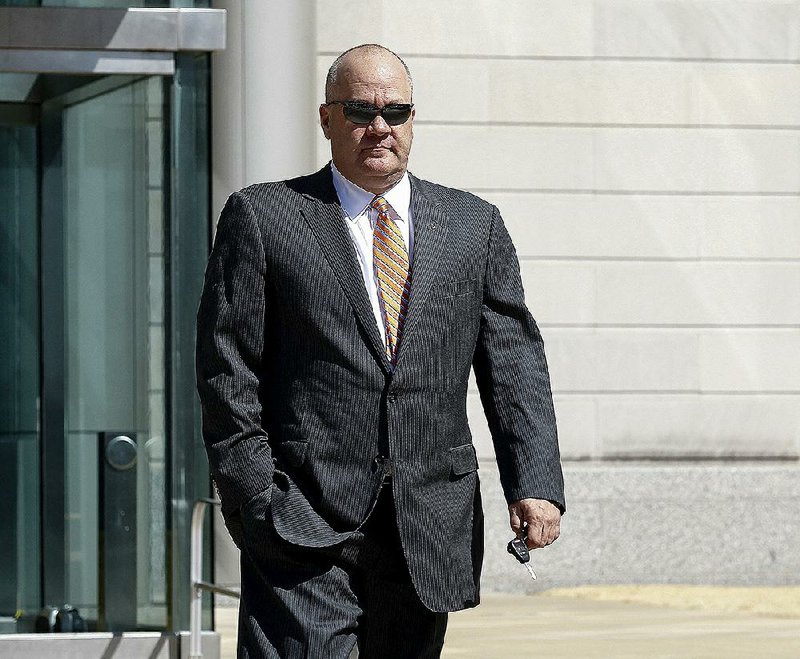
column 363, row 114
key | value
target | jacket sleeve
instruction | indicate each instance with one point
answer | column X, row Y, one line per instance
column 230, row 346
column 511, row 373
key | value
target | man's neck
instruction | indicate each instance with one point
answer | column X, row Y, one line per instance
column 355, row 198
column 377, row 185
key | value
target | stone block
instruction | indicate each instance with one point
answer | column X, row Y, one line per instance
column 629, row 92
column 459, row 28
column 696, row 29
column 625, row 293
column 693, row 425
column 505, row 157
column 744, row 94
column 614, row 359
column 650, row 226
column 561, row 291
column 750, row 227
column 601, row 226
column 576, row 417
column 703, row 293
column 675, row 359
column 756, row 360
column 672, row 160
column 590, row 92
column 688, row 160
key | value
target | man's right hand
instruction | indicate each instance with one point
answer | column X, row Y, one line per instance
column 543, row 519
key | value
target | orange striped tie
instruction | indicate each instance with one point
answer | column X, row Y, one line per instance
column 390, row 260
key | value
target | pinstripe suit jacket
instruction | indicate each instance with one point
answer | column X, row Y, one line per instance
column 300, row 402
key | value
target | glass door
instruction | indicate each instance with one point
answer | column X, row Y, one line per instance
column 83, row 349
column 112, row 159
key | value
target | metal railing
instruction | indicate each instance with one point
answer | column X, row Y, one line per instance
column 198, row 585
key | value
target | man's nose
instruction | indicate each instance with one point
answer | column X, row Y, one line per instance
column 379, row 126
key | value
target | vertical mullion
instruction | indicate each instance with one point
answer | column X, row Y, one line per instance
column 189, row 195
column 53, row 364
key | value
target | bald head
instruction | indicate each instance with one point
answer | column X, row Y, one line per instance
column 374, row 156
column 369, row 55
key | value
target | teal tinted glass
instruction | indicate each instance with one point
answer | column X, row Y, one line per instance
column 19, row 371
column 116, row 4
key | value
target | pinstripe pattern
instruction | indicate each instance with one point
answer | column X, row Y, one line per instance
column 361, row 586
column 299, row 397
column 393, row 271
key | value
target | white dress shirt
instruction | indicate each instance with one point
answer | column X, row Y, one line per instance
column 360, row 219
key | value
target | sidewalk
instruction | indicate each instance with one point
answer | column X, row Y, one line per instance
column 567, row 624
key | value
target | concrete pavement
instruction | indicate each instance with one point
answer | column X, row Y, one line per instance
column 565, row 625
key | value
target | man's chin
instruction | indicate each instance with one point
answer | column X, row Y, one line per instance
column 373, row 174
column 377, row 181
column 378, row 158
column 383, row 165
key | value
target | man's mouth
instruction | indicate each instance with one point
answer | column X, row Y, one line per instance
column 376, row 150
column 379, row 145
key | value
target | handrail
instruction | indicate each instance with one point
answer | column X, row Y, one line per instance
column 198, row 585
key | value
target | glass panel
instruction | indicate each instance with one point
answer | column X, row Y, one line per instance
column 113, row 153
column 19, row 372
column 116, row 4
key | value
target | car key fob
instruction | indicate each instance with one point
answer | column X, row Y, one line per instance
column 518, row 548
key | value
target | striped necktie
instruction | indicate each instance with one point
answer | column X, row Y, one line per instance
column 390, row 260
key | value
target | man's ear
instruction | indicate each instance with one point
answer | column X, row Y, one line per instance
column 324, row 119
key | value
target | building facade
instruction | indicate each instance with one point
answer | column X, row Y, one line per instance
column 645, row 157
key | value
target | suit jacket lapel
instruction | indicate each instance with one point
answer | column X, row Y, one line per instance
column 430, row 233
column 324, row 215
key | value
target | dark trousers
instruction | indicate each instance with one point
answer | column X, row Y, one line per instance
column 318, row 603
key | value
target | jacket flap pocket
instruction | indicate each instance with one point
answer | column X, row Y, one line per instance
column 463, row 459
column 291, row 452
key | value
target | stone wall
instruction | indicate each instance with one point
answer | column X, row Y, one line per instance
column 646, row 158
column 645, row 155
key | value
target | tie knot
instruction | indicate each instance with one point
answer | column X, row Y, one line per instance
column 380, row 204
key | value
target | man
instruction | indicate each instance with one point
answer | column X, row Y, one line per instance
column 341, row 314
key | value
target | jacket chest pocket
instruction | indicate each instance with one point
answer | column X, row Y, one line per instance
column 459, row 296
column 455, row 288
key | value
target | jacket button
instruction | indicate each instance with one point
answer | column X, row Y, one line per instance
column 390, row 398
column 377, row 462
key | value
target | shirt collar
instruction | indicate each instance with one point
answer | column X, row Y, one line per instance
column 354, row 200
